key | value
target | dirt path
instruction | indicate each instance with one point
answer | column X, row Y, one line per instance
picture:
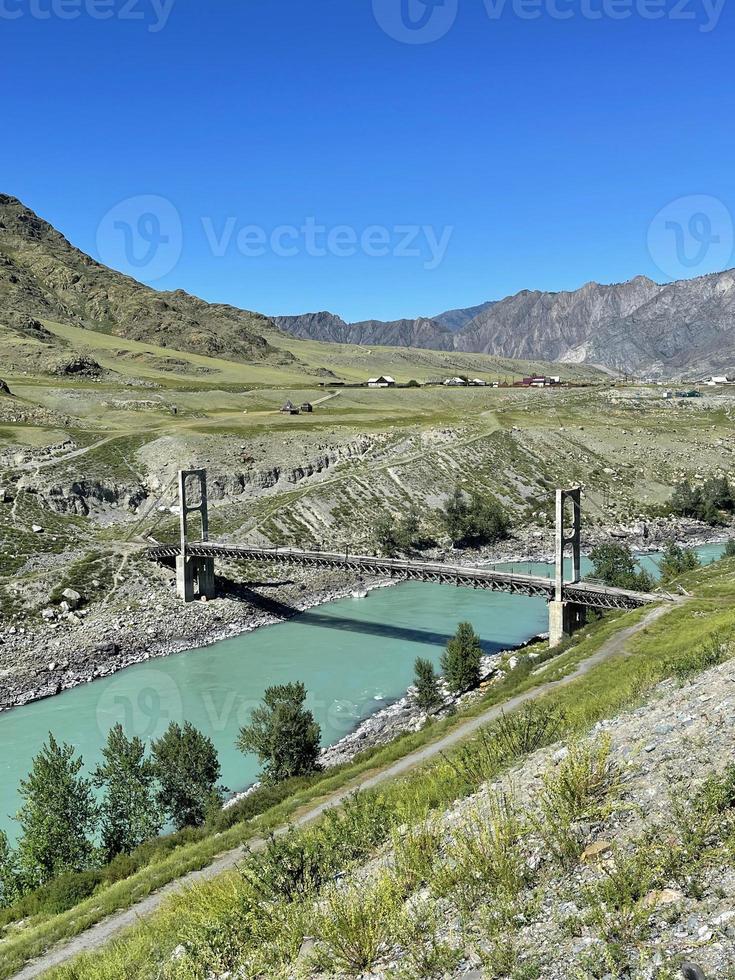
column 99, row 934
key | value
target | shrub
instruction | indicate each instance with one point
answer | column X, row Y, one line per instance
column 403, row 534
column 292, row 867
column 581, row 788
column 474, row 522
column 526, row 730
column 69, row 889
column 615, row 565
column 508, row 738
column 708, row 654
column 428, row 696
column 358, row 923
column 415, row 851
column 485, row 857
column 424, row 954
column 676, row 561
column 461, row 660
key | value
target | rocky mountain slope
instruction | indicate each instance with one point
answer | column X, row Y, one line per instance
column 421, row 332
column 636, row 326
column 456, row 319
column 43, row 275
column 641, row 327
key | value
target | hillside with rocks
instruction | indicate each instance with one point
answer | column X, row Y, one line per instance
column 42, row 275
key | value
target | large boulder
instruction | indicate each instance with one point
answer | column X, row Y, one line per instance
column 4, row 390
column 72, row 598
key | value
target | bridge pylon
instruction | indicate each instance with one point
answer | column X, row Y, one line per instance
column 194, row 575
column 566, row 617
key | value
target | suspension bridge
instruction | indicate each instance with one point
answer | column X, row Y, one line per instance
column 568, row 598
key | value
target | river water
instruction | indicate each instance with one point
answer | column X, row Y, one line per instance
column 354, row 656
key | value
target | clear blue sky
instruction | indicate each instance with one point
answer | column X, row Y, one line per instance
column 546, row 146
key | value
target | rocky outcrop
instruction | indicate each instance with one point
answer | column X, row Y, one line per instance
column 83, row 497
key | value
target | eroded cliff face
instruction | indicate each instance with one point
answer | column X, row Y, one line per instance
column 74, row 494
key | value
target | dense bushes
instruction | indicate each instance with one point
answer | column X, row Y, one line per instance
column 615, row 565
column 475, row 521
column 710, row 502
column 403, row 534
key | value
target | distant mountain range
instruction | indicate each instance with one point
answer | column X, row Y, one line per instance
column 683, row 328
column 639, row 327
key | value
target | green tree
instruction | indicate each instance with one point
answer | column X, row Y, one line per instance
column 57, row 818
column 187, row 769
column 677, row 560
column 475, row 521
column 9, row 878
column 428, row 695
column 282, row 733
column 729, row 551
column 615, row 565
column 403, row 534
column 461, row 660
column 129, row 812
column 707, row 502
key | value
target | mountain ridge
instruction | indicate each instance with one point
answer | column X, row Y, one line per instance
column 681, row 328
column 637, row 326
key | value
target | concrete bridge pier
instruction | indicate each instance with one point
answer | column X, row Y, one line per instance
column 194, row 578
column 194, row 575
column 566, row 617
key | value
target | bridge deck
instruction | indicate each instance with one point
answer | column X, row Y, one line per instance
column 479, row 577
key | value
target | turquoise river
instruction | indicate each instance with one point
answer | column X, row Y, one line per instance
column 354, row 655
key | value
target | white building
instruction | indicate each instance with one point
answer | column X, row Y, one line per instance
column 384, row 381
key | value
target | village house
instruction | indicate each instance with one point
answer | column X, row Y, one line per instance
column 289, row 408
column 384, row 381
